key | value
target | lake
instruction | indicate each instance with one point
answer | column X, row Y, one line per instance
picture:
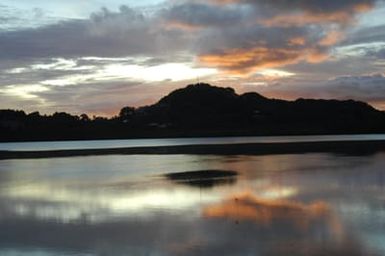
column 97, row 144
column 294, row 204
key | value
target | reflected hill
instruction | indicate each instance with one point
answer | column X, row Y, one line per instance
column 201, row 110
column 203, row 178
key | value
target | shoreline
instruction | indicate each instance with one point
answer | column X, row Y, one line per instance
column 364, row 147
column 193, row 136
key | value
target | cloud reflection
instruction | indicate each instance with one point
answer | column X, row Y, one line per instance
column 268, row 212
column 66, row 205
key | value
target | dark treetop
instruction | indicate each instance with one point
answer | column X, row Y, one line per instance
column 201, row 110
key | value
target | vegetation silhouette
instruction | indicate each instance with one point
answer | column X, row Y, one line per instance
column 200, row 110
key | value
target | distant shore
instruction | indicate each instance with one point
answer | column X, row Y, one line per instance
column 339, row 147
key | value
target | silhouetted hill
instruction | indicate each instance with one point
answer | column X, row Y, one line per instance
column 199, row 106
column 202, row 110
column 203, row 106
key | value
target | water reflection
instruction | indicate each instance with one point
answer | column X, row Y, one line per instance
column 313, row 204
column 268, row 212
column 203, row 178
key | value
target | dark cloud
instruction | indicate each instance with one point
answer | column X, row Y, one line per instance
column 369, row 88
column 30, row 75
column 378, row 54
column 303, row 12
column 107, row 34
column 319, row 5
column 366, row 35
column 367, row 42
column 199, row 15
column 365, row 87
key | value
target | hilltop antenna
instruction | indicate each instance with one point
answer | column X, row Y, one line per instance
column 197, row 79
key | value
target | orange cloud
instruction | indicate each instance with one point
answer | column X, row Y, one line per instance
column 304, row 12
column 331, row 38
column 297, row 41
column 278, row 33
column 305, row 18
column 173, row 24
column 315, row 56
column 243, row 61
column 362, row 7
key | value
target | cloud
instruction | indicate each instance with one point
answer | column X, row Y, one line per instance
column 365, row 42
column 365, row 87
column 232, row 26
column 313, row 6
column 106, row 34
column 199, row 15
column 242, row 36
column 367, row 35
column 248, row 49
column 74, row 60
column 240, row 61
column 303, row 12
column 93, row 85
column 13, row 18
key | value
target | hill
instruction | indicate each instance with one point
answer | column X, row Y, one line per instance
column 202, row 106
column 202, row 110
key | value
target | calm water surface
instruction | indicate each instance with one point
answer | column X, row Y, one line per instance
column 307, row 204
column 96, row 144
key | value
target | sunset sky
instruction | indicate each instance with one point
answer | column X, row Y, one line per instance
column 95, row 56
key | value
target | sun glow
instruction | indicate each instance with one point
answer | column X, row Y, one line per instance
column 274, row 73
column 104, row 72
column 169, row 71
column 24, row 91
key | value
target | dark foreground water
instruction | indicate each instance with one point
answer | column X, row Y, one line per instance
column 308, row 204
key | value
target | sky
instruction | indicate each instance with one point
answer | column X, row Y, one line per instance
column 96, row 56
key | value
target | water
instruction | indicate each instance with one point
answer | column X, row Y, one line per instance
column 96, row 144
column 305, row 204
